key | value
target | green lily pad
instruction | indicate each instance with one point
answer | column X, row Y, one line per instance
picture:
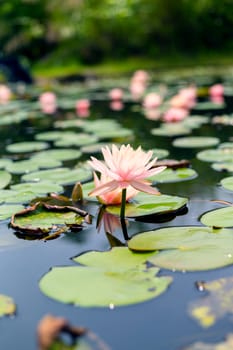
column 11, row 196
column 171, row 129
column 61, row 176
column 59, row 154
column 49, row 135
column 190, row 248
column 118, row 133
column 146, row 204
column 216, row 304
column 160, row 153
column 5, row 178
column 7, row 306
column 22, row 167
column 7, row 210
column 222, row 217
column 118, row 285
column 94, row 148
column 195, row 142
column 43, row 163
column 24, row 147
column 223, row 166
column 76, row 139
column 117, row 258
column 99, row 125
column 72, row 123
column 208, row 106
column 227, row 182
column 195, row 121
column 40, row 188
column 174, row 175
column 4, row 162
column 216, row 155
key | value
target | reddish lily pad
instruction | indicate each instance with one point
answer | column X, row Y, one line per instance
column 42, row 218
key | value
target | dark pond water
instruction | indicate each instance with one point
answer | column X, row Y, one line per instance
column 162, row 323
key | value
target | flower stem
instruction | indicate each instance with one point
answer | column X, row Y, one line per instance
column 123, row 202
column 122, row 214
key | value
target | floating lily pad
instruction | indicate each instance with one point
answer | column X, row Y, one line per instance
column 216, row 304
column 94, row 148
column 195, row 121
column 22, row 167
column 5, row 178
column 208, row 106
column 76, row 139
column 174, row 175
column 40, row 188
column 4, row 162
column 59, row 154
column 24, row 147
column 49, row 135
column 190, row 248
column 63, row 124
column 223, row 166
column 42, row 218
column 101, row 125
column 129, row 283
column 195, row 142
column 118, row 133
column 160, row 153
column 7, row 210
column 61, row 176
column 146, row 204
column 216, row 155
column 43, row 163
column 171, row 129
column 222, row 217
column 11, row 196
column 227, row 182
column 116, row 258
column 7, row 306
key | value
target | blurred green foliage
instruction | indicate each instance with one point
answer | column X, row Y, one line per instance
column 91, row 30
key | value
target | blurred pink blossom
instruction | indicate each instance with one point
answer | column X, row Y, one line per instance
column 48, row 102
column 5, row 94
column 116, row 94
column 152, row 100
column 125, row 167
column 82, row 108
column 216, row 90
column 173, row 115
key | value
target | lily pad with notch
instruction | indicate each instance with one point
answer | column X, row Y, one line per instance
column 59, row 154
column 187, row 248
column 174, row 175
column 222, row 217
column 145, row 205
column 126, row 283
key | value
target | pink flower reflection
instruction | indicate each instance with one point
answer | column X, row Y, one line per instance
column 48, row 102
column 117, row 105
column 5, row 94
column 109, row 222
column 82, row 107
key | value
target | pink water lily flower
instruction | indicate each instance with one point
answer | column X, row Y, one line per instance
column 112, row 197
column 125, row 167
